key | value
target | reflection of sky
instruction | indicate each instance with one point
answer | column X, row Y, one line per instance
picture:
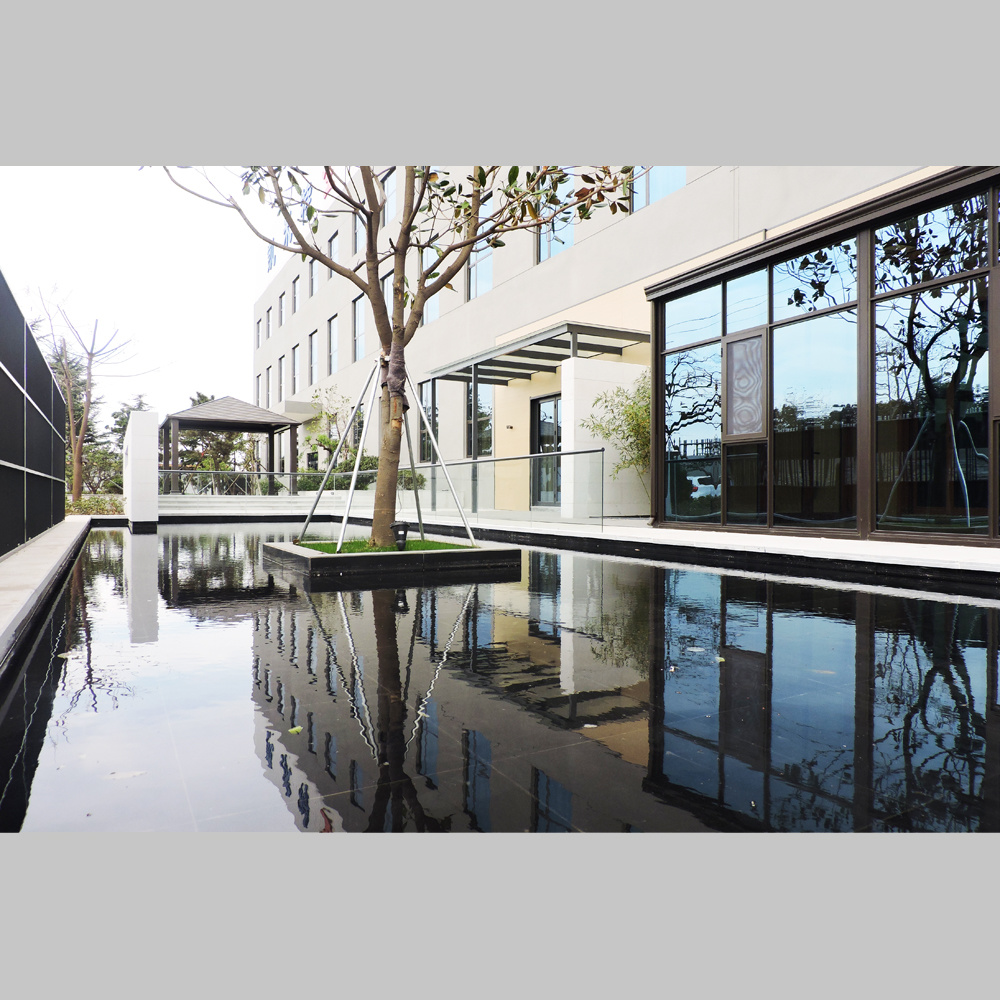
column 838, row 275
column 815, row 364
column 693, row 317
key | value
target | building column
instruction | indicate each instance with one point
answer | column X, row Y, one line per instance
column 293, row 459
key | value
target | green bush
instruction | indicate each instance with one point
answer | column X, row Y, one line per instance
column 93, row 504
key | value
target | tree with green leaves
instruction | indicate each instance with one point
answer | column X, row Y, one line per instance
column 621, row 416
column 443, row 221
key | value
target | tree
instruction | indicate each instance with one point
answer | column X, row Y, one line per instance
column 443, row 221
column 74, row 363
column 621, row 416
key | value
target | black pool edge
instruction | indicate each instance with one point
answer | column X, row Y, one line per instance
column 961, row 582
column 313, row 570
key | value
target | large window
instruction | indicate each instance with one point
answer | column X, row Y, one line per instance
column 841, row 386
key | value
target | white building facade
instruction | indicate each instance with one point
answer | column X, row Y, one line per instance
column 536, row 330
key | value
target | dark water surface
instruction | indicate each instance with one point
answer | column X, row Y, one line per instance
column 178, row 687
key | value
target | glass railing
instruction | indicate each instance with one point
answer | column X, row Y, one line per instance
column 559, row 486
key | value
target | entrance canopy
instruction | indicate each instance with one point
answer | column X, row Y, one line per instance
column 230, row 415
column 541, row 351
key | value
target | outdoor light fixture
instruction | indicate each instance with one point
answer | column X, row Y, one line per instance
column 401, row 606
column 399, row 530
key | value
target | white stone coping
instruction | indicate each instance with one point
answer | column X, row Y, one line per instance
column 31, row 572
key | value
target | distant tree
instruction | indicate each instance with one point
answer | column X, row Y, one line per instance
column 74, row 361
column 443, row 224
column 215, row 451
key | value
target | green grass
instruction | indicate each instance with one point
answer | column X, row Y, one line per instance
column 363, row 545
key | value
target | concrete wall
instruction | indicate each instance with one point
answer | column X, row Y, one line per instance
column 139, row 468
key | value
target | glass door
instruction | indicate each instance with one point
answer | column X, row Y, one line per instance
column 546, row 442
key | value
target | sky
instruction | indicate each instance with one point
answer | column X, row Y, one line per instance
column 175, row 276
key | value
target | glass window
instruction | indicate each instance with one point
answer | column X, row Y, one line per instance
column 478, row 756
column 553, row 805
column 746, row 301
column 746, row 483
column 483, row 421
column 258, row 334
column 267, row 390
column 313, row 357
column 947, row 241
column 814, row 413
column 693, row 433
column 389, row 185
column 295, row 295
column 333, row 252
column 313, row 271
column 480, row 272
column 256, row 398
column 745, row 386
column 267, row 325
column 931, row 403
column 653, row 183
column 693, row 317
column 359, row 234
column 295, row 369
column 359, row 328
column 816, row 280
column 557, row 235
column 332, row 335
column 387, row 292
column 432, row 309
column 428, row 400
column 281, row 309
column 281, row 378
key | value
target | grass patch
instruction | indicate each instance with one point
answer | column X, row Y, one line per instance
column 363, row 545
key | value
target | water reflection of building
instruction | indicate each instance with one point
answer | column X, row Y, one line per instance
column 778, row 706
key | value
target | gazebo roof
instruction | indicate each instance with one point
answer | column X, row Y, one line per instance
column 229, row 413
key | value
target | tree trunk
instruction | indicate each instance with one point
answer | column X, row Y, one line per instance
column 388, row 469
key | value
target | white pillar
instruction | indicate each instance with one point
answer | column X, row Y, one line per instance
column 139, row 470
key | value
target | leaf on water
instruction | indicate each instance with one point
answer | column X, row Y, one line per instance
column 295, row 730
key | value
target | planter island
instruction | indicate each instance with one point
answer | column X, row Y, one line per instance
column 312, row 570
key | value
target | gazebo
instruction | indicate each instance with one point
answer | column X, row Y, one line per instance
column 231, row 415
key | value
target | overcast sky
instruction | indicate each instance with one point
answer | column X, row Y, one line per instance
column 124, row 247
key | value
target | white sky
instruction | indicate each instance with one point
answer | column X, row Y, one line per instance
column 176, row 276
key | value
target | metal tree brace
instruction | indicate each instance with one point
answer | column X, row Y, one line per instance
column 374, row 383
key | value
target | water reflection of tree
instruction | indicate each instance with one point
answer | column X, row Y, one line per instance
column 624, row 631
column 394, row 787
column 932, row 720
column 86, row 680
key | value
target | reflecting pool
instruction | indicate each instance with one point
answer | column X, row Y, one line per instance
column 177, row 686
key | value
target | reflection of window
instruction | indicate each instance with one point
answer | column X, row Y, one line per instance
column 655, row 183
column 544, row 583
column 553, row 805
column 932, row 404
column 480, row 423
column 427, row 748
column 357, row 780
column 358, row 307
column 330, row 755
column 477, row 767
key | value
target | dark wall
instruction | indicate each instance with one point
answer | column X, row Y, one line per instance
column 32, row 433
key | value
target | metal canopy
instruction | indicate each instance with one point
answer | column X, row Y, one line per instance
column 542, row 351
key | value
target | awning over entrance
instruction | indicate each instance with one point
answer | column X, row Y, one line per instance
column 541, row 351
column 229, row 414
